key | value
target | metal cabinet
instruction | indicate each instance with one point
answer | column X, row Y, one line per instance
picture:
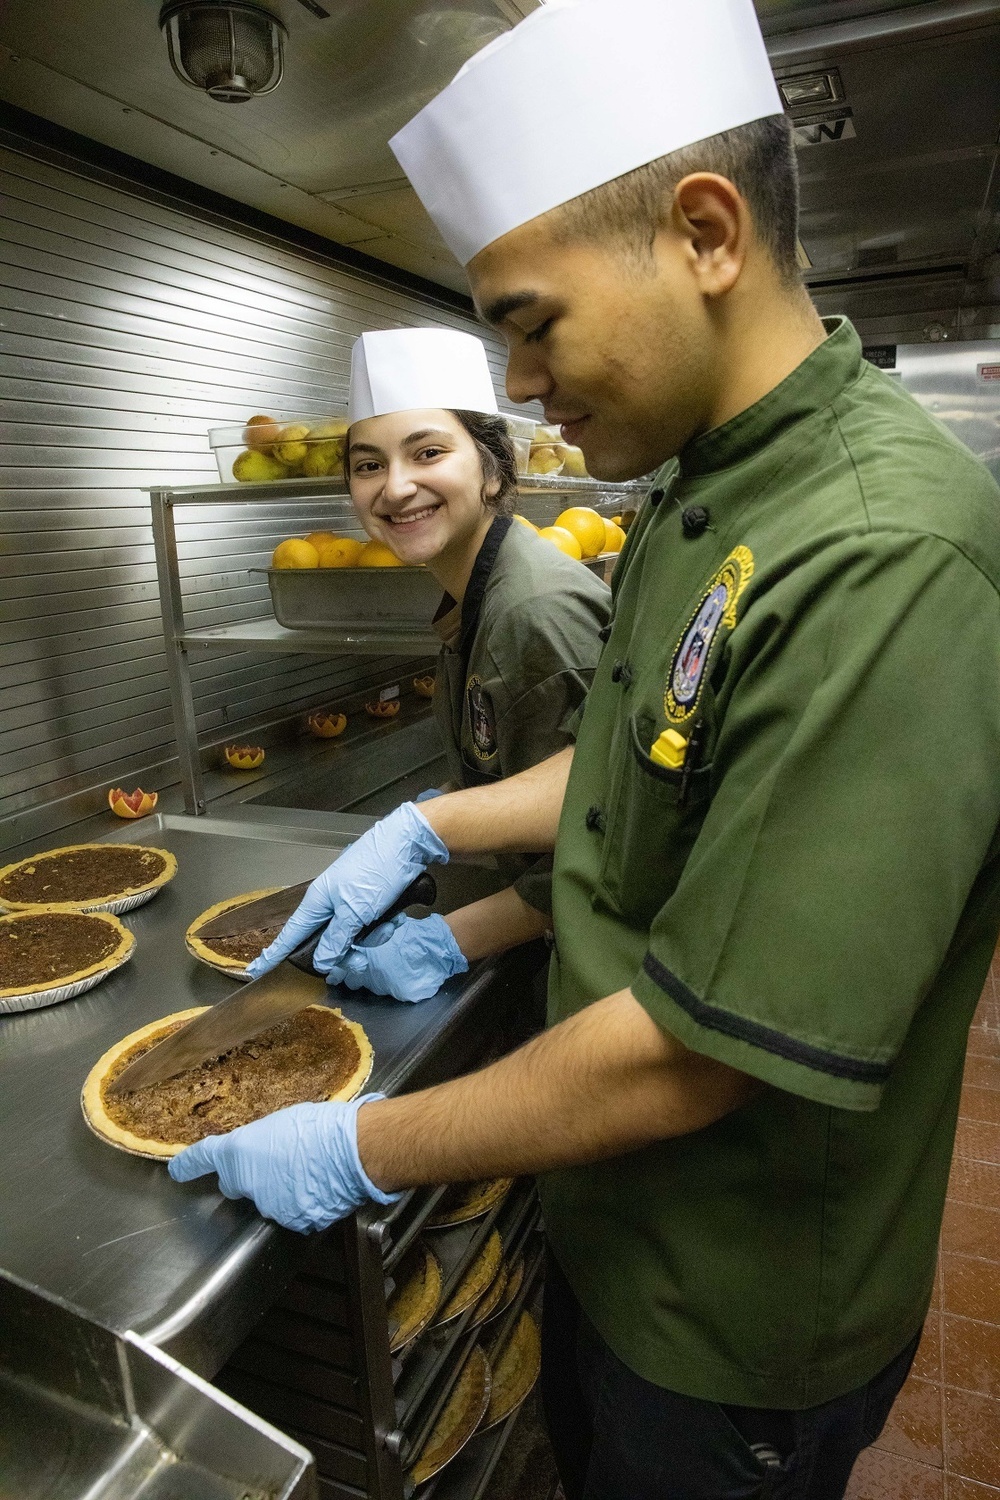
column 542, row 497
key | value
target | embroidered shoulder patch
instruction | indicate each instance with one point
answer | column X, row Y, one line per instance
column 715, row 608
column 481, row 724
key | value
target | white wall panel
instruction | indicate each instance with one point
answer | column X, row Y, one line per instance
column 128, row 327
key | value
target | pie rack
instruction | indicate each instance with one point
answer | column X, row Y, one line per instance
column 318, row 1364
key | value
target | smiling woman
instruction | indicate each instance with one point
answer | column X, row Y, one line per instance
column 432, row 476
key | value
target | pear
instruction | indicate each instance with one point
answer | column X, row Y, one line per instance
column 322, row 459
column 290, row 447
column 253, row 467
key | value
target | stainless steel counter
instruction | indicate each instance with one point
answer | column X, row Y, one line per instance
column 112, row 1234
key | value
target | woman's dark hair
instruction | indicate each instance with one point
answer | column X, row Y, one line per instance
column 496, row 455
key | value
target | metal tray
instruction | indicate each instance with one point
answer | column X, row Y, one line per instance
column 339, row 598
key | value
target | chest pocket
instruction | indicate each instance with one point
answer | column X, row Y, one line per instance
column 649, row 831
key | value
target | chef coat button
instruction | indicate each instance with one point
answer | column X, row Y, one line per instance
column 604, row 634
column 694, row 520
column 616, row 671
column 622, row 672
column 595, row 819
column 655, row 496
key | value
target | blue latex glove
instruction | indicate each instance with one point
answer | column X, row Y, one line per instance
column 409, row 958
column 357, row 888
column 300, row 1165
column 432, row 791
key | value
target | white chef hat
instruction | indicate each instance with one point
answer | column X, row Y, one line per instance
column 410, row 369
column 579, row 93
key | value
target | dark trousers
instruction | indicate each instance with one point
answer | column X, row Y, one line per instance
column 618, row 1437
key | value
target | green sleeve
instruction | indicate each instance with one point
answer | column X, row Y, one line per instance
column 854, row 795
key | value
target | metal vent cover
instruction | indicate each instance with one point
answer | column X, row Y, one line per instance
column 232, row 50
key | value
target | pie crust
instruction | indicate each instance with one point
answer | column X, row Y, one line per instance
column 124, row 943
column 120, row 900
column 478, row 1279
column 92, row 1098
column 204, row 951
column 418, row 1292
column 515, row 1371
column 468, row 1200
column 464, row 1411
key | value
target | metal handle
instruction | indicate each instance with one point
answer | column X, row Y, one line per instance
column 420, row 892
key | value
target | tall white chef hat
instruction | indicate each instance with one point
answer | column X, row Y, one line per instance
column 581, row 92
column 409, row 369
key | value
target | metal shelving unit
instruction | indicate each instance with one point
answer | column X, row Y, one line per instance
column 543, row 496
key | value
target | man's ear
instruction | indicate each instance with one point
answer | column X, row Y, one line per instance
column 712, row 218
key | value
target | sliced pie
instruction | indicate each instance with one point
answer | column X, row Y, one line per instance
column 52, row 953
column 314, row 1056
column 231, row 954
column 91, row 877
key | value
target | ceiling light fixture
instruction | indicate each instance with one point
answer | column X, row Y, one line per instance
column 230, row 49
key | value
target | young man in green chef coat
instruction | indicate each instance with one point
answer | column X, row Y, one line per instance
column 777, row 884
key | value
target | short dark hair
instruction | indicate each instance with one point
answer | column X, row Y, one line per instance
column 491, row 436
column 759, row 159
column 492, row 439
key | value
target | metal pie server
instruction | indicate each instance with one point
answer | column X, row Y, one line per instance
column 254, row 1006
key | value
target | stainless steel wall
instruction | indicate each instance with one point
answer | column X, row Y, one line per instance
column 129, row 326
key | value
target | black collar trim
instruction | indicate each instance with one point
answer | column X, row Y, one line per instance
column 479, row 578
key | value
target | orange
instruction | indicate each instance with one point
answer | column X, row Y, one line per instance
column 295, row 552
column 261, row 431
column 586, row 525
column 318, row 538
column 340, row 552
column 563, row 539
column 614, row 537
column 525, row 522
column 377, row 555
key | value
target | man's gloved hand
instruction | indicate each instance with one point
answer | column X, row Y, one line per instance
column 357, row 888
column 432, row 791
column 300, row 1165
column 409, row 958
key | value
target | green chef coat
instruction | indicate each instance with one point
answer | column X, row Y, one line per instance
column 515, row 666
column 817, row 908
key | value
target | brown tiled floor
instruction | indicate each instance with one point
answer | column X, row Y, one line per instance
column 942, row 1440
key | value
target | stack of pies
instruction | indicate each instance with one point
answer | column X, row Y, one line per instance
column 90, row 877
column 230, row 955
column 314, row 1056
column 51, row 953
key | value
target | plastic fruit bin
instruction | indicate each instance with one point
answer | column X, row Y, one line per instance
column 290, row 447
column 353, row 598
column 280, row 448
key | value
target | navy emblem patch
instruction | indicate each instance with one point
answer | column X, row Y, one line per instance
column 481, row 724
column 716, row 607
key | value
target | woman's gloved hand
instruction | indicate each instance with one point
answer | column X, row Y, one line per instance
column 300, row 1166
column 357, row 888
column 409, row 958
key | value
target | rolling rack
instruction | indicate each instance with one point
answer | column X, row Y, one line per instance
column 319, row 1364
column 542, row 497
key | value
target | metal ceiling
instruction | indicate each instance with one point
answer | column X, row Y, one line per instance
column 899, row 169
